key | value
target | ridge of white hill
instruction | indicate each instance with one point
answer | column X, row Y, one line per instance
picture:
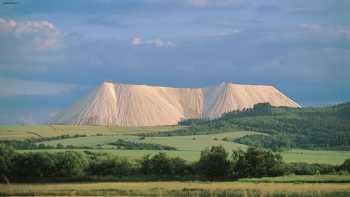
column 96, row 108
column 142, row 105
column 229, row 97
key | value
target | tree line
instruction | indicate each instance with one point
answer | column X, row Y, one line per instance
column 307, row 128
column 38, row 143
column 214, row 164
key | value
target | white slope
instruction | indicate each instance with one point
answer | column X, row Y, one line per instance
column 232, row 97
column 141, row 105
column 99, row 107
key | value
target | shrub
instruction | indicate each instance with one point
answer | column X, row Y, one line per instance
column 70, row 164
column 345, row 166
column 6, row 155
column 303, row 168
column 326, row 168
column 34, row 165
column 162, row 165
column 214, row 163
column 180, row 167
column 257, row 163
column 111, row 165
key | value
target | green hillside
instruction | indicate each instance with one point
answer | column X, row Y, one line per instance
column 310, row 127
column 325, row 132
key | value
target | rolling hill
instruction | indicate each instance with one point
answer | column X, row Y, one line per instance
column 310, row 127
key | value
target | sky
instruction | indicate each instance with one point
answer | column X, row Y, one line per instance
column 54, row 52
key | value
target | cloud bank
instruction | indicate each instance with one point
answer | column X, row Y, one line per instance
column 36, row 35
column 155, row 41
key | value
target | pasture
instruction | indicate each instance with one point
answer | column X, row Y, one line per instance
column 188, row 147
column 18, row 132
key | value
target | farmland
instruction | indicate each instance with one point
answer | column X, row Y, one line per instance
column 15, row 132
column 188, row 147
column 239, row 188
column 99, row 138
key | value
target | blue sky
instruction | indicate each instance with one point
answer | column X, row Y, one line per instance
column 53, row 52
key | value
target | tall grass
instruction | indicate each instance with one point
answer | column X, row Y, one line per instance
column 178, row 189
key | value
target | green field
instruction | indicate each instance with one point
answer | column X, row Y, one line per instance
column 188, row 147
column 186, row 143
column 97, row 138
column 16, row 132
column 246, row 188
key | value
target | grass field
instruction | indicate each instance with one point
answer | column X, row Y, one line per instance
column 188, row 147
column 187, row 143
column 240, row 188
column 17, row 132
column 301, row 179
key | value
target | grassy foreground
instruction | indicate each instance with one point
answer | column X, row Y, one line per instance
column 246, row 189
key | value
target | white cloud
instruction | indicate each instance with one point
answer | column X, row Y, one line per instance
column 156, row 41
column 136, row 41
column 14, row 87
column 38, row 35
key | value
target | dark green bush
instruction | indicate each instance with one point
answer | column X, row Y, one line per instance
column 35, row 165
column 345, row 166
column 303, row 168
column 162, row 165
column 71, row 163
column 214, row 163
column 7, row 153
column 257, row 163
column 111, row 166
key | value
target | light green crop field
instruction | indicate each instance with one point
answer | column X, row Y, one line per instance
column 188, row 147
column 186, row 143
column 20, row 132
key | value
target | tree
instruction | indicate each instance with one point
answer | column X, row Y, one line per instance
column 263, row 108
column 34, row 165
column 179, row 166
column 213, row 163
column 257, row 162
column 346, row 165
column 6, row 155
column 111, row 165
column 302, row 168
column 161, row 165
column 145, row 165
column 71, row 164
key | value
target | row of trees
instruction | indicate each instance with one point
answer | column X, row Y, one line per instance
column 308, row 128
column 214, row 163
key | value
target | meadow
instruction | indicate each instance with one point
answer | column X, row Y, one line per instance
column 97, row 138
column 15, row 132
column 188, row 147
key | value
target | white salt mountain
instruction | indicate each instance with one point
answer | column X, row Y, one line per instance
column 141, row 105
